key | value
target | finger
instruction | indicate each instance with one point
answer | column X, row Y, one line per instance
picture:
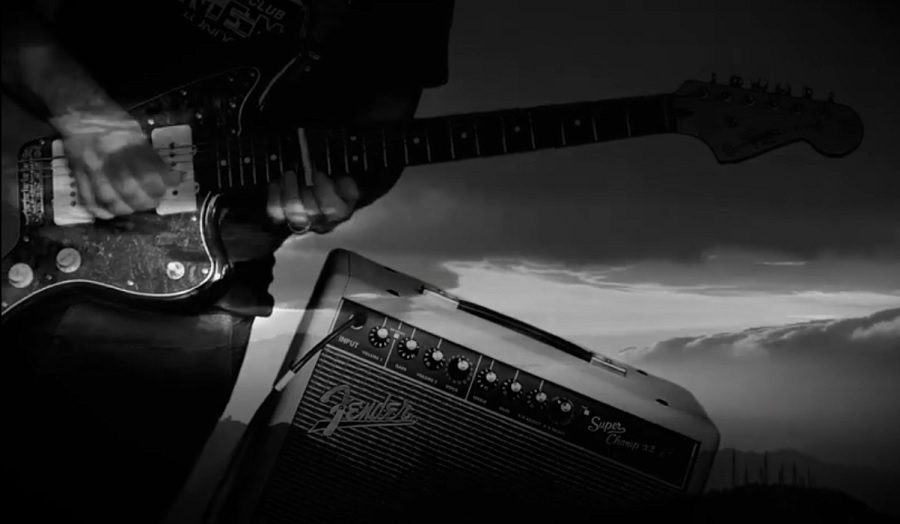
column 86, row 193
column 332, row 205
column 106, row 194
column 347, row 189
column 133, row 195
column 297, row 210
column 273, row 204
column 122, row 176
column 165, row 173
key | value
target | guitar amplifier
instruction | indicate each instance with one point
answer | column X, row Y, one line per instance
column 437, row 409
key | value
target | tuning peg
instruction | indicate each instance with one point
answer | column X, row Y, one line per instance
column 761, row 85
column 807, row 92
column 736, row 81
column 712, row 78
column 783, row 90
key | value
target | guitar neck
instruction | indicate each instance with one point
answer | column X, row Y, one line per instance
column 253, row 160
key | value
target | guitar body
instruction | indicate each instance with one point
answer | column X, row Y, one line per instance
column 168, row 257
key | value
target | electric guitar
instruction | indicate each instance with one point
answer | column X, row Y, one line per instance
column 174, row 255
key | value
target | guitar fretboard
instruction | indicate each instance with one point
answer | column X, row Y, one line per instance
column 254, row 160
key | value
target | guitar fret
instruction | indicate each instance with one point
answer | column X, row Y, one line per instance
column 346, row 154
column 562, row 131
column 531, row 131
column 241, row 161
column 452, row 144
column 477, row 141
column 439, row 139
column 503, row 130
column 364, row 155
column 628, row 122
column 231, row 161
column 253, row 161
column 405, row 149
column 328, row 155
column 280, row 158
column 317, row 142
column 218, row 167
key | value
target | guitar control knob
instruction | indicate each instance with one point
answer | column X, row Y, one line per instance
column 459, row 369
column 20, row 275
column 487, row 379
column 562, row 411
column 408, row 348
column 434, row 359
column 513, row 389
column 537, row 399
column 379, row 336
column 68, row 260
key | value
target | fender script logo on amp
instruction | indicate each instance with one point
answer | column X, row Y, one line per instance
column 354, row 413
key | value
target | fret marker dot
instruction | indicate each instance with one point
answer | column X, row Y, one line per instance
column 517, row 129
column 353, row 138
column 416, row 140
column 223, row 162
column 246, row 159
column 464, row 135
column 355, row 158
column 577, row 122
column 273, row 157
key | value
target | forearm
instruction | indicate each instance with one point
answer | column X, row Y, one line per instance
column 42, row 75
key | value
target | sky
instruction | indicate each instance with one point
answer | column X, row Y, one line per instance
column 770, row 289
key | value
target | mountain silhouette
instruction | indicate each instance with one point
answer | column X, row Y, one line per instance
column 734, row 468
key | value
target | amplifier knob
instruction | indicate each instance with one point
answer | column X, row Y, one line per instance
column 379, row 336
column 487, row 379
column 408, row 348
column 537, row 399
column 459, row 369
column 434, row 359
column 513, row 389
column 20, row 275
column 561, row 410
column 68, row 260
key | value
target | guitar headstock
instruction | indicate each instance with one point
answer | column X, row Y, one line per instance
column 739, row 122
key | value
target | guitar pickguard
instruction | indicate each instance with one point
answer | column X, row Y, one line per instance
column 168, row 254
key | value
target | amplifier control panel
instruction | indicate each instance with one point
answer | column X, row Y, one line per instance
column 496, row 386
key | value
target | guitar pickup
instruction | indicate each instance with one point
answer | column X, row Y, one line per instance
column 175, row 146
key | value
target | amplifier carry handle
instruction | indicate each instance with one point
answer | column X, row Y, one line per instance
column 515, row 325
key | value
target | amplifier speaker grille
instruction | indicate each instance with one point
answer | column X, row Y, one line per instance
column 456, row 460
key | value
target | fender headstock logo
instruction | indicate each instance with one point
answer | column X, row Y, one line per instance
column 353, row 413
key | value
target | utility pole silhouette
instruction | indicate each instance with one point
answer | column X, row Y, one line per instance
column 733, row 468
column 765, row 470
column 795, row 475
column 746, row 476
column 781, row 475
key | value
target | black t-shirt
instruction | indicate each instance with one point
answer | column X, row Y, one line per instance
column 139, row 48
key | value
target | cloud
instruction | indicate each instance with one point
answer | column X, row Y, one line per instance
column 827, row 387
column 874, row 339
